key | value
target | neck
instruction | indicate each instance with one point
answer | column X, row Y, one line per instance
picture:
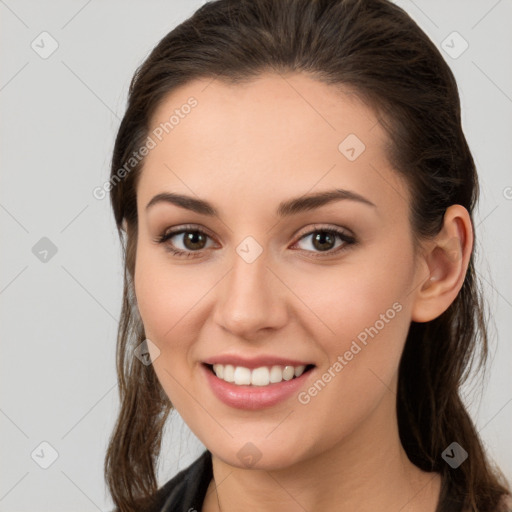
column 366, row 471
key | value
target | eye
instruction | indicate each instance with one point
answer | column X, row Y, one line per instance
column 324, row 241
column 191, row 239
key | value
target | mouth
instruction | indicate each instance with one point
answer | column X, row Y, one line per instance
column 263, row 376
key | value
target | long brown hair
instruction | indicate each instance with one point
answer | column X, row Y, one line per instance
column 374, row 48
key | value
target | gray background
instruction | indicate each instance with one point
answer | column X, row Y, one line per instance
column 59, row 316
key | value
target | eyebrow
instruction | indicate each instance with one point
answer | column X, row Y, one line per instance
column 285, row 209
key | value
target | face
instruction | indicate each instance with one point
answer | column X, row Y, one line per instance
column 261, row 281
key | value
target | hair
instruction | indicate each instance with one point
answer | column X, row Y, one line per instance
column 371, row 47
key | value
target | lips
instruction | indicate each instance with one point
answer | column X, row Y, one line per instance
column 255, row 397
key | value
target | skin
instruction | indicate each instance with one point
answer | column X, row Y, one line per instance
column 245, row 148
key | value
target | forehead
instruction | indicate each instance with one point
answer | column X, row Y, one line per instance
column 278, row 107
column 288, row 131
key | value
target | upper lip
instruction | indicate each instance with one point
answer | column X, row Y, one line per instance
column 254, row 362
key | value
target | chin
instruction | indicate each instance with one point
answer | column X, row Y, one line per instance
column 258, row 453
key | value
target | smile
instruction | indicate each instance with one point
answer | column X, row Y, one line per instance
column 262, row 376
column 253, row 388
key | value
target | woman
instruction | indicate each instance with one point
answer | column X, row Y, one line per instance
column 294, row 193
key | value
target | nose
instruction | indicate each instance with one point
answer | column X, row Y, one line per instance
column 251, row 299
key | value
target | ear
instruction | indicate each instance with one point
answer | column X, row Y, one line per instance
column 443, row 265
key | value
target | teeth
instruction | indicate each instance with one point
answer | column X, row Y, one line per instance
column 262, row 376
column 259, row 376
column 242, row 375
column 276, row 374
column 288, row 372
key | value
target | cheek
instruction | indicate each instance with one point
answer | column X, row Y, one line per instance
column 349, row 298
column 166, row 297
column 169, row 298
column 362, row 311
column 155, row 297
column 369, row 318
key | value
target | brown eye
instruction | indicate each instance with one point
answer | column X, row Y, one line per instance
column 184, row 241
column 194, row 240
column 325, row 240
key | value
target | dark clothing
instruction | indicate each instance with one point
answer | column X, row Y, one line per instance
column 186, row 491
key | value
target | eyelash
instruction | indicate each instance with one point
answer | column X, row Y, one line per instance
column 347, row 239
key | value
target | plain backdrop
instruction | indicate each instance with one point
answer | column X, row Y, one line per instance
column 65, row 70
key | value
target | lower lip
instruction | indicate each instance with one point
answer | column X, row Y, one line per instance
column 253, row 397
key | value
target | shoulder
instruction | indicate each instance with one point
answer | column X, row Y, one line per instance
column 186, row 490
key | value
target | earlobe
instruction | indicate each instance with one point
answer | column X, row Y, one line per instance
column 447, row 258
